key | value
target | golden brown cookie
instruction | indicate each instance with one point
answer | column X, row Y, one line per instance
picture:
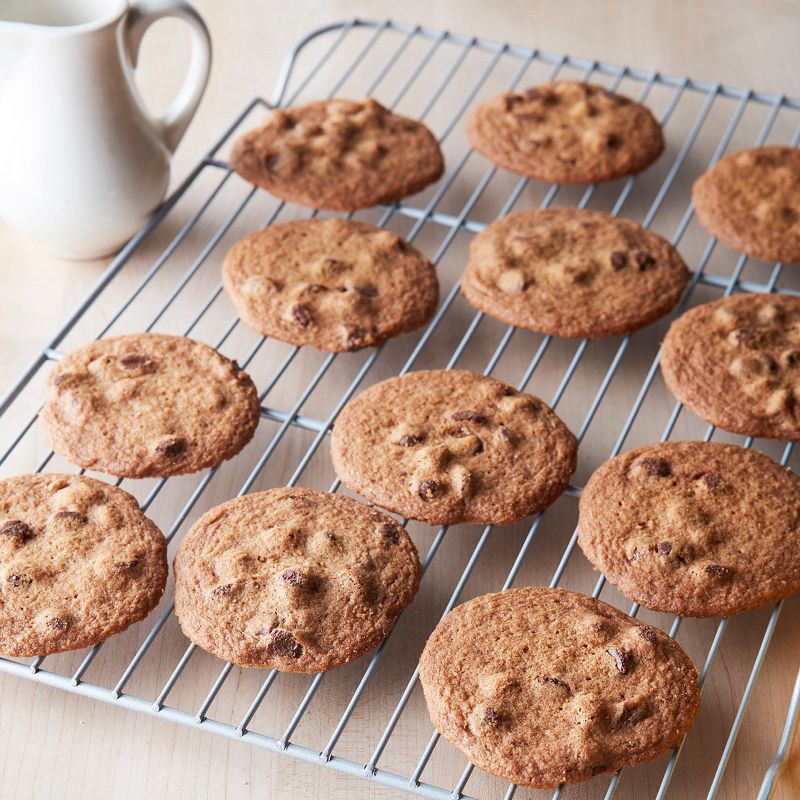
column 698, row 529
column 566, row 132
column 79, row 562
column 751, row 202
column 450, row 446
column 339, row 155
column 736, row 363
column 148, row 405
column 293, row 579
column 542, row 686
column 334, row 284
column 571, row 272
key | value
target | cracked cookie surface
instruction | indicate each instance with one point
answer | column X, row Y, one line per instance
column 566, row 132
column 148, row 405
column 572, row 272
column 79, row 562
column 735, row 362
column 293, row 579
column 694, row 528
column 334, row 284
column 751, row 201
column 339, row 155
column 542, row 686
column 450, row 446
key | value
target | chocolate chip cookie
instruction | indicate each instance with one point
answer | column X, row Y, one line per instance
column 450, row 446
column 542, row 686
column 78, row 563
column 293, row 579
column 566, row 132
column 698, row 529
column 148, row 405
column 339, row 155
column 571, row 272
column 751, row 202
column 334, row 284
column 736, row 363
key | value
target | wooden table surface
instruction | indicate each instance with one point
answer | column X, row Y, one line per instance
column 64, row 746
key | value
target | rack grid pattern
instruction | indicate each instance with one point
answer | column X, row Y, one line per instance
column 391, row 40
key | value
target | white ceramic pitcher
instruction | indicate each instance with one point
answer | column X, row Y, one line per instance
column 82, row 164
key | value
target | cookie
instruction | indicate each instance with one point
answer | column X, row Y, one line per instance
column 334, row 284
column 79, row 562
column 293, row 579
column 450, row 446
column 339, row 155
column 570, row 272
column 542, row 686
column 736, row 363
column 698, row 529
column 751, row 202
column 566, row 132
column 148, row 405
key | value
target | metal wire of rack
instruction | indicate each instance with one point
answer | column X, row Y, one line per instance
column 457, row 62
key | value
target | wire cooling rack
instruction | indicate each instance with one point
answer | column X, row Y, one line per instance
column 368, row 719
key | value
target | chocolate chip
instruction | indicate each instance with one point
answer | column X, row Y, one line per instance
column 293, row 577
column 613, row 141
column 745, row 335
column 598, row 768
column 366, row 291
column 459, row 433
column 478, row 446
column 633, row 714
column 428, row 489
column 301, row 314
column 472, row 416
column 223, row 590
column 769, row 362
column 570, row 162
column 134, row 361
column 712, row 480
column 17, row 530
column 655, row 467
column 643, row 260
column 331, row 537
column 356, row 339
column 491, row 716
column 623, row 659
column 57, row 624
column 618, row 259
column 271, row 161
column 283, row 644
column 126, row 565
column 550, row 99
column 409, row 440
column 171, row 447
column 648, row 633
column 391, row 532
column 792, row 358
column 532, row 94
column 664, row 548
column 18, row 581
column 62, row 378
column 718, row 571
column 336, row 265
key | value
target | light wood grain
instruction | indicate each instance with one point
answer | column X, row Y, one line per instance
column 60, row 745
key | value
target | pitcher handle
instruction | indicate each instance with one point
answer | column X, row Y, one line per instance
column 141, row 15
